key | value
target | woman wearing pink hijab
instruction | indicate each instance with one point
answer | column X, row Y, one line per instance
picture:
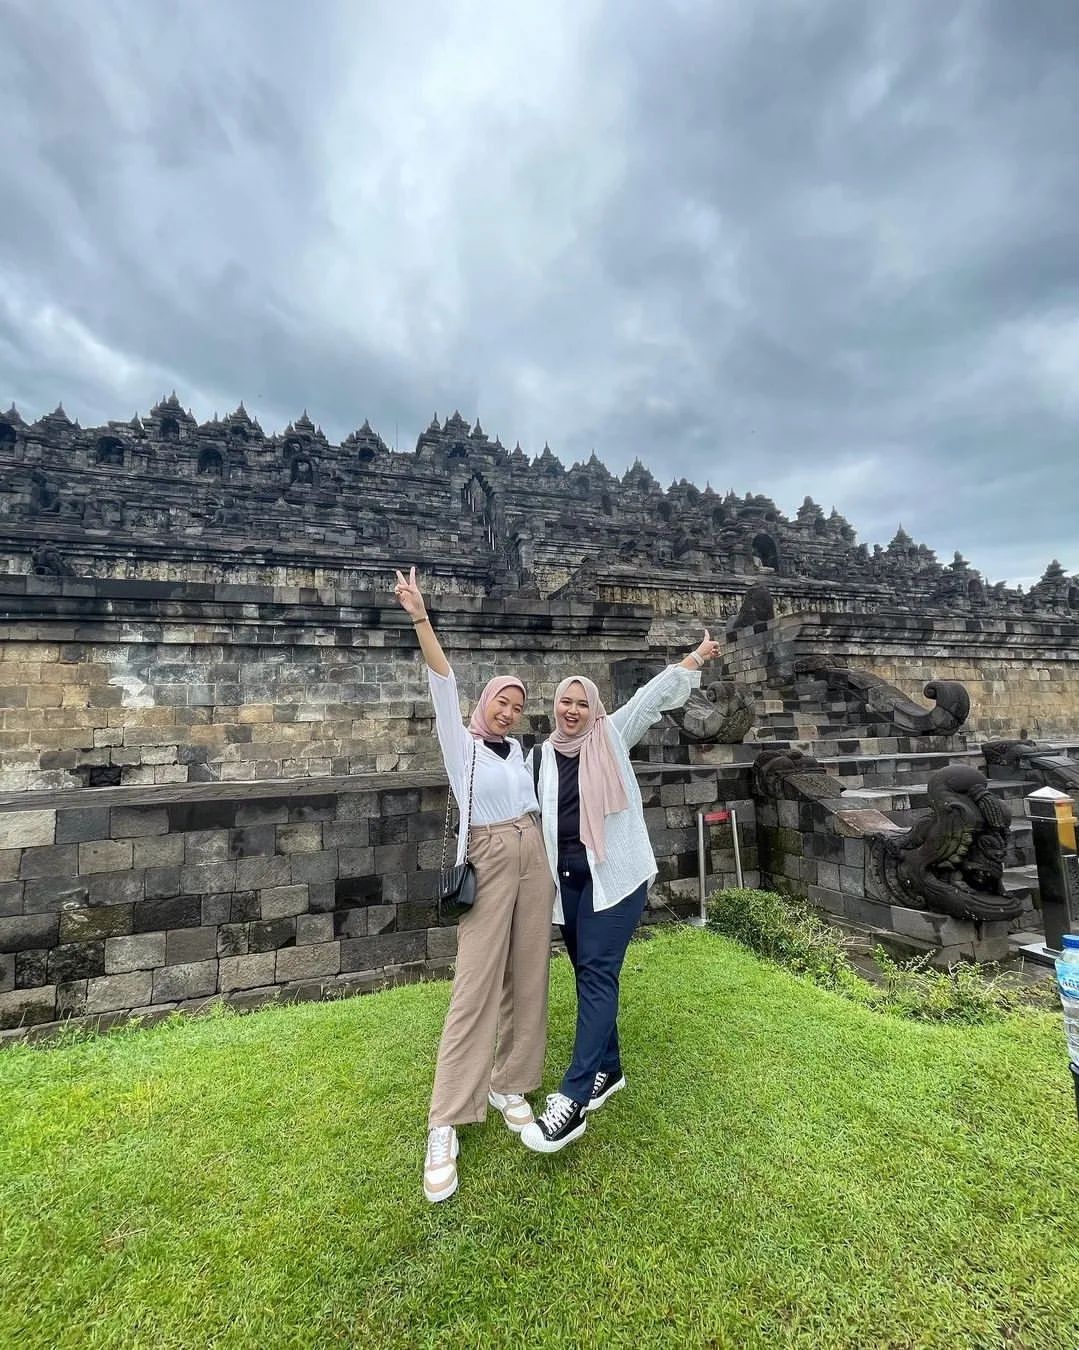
column 597, row 846
column 495, row 1034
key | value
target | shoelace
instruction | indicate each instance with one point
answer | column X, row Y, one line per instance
column 438, row 1146
column 559, row 1110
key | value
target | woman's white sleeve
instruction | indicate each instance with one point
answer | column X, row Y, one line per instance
column 453, row 737
column 669, row 689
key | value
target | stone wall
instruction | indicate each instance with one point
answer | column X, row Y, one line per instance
column 1022, row 674
column 135, row 682
column 114, row 900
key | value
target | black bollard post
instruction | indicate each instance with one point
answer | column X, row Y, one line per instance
column 1052, row 818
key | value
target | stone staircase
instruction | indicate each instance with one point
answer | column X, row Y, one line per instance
column 883, row 770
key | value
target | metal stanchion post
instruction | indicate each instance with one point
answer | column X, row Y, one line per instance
column 715, row 818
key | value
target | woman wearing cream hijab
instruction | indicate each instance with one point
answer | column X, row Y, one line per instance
column 597, row 846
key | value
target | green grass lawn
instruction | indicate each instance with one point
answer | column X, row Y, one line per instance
column 785, row 1168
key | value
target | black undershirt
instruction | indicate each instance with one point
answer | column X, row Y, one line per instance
column 501, row 748
column 569, row 801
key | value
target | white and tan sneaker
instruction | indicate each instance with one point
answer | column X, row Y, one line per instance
column 516, row 1112
column 440, row 1165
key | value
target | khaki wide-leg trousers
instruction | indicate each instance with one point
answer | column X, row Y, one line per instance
column 500, row 988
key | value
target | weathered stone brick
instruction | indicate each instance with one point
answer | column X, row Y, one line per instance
column 381, row 919
column 303, row 963
column 390, row 949
column 104, row 855
column 56, row 860
column 11, row 902
column 27, row 829
column 311, row 928
column 111, row 993
column 82, row 825
column 301, row 838
column 247, row 972
column 24, row 932
column 255, row 873
column 320, row 866
column 206, row 846
column 186, row 945
column 163, row 850
column 7, row 972
column 142, row 951
column 441, row 942
column 127, row 822
column 232, row 940
column 244, row 906
column 10, row 858
column 279, row 902
column 114, row 888
column 85, row 925
column 161, row 882
column 252, row 841
column 179, row 911
column 75, row 961
column 208, row 878
column 71, row 999
column 30, row 967
column 195, row 980
column 268, row 935
column 27, row 1007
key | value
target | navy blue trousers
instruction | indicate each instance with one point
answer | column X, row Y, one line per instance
column 596, row 943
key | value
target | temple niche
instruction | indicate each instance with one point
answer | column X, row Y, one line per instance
column 468, row 503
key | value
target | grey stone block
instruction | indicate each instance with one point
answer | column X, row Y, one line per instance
column 127, row 822
column 279, row 902
column 299, row 838
column 207, row 846
column 208, row 878
column 359, row 862
column 11, row 898
column 268, row 811
column 311, row 928
column 252, row 842
column 30, row 967
column 255, row 873
column 247, row 972
column 370, row 953
column 115, row 888
column 27, row 931
column 216, row 909
column 180, row 911
column 27, row 829
column 10, row 858
column 110, row 993
column 142, row 951
column 27, row 1007
column 441, row 942
column 7, row 972
column 82, row 824
column 197, row 979
column 75, row 961
column 232, row 939
column 381, row 919
column 266, row 936
column 71, row 998
column 321, row 866
column 56, row 860
column 186, row 945
column 302, row 963
column 165, row 850
column 105, row 921
column 161, row 882
column 105, row 855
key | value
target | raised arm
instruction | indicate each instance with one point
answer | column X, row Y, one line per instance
column 669, row 689
column 411, row 601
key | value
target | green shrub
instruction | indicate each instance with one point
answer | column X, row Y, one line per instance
column 792, row 934
column 962, row 993
column 785, row 931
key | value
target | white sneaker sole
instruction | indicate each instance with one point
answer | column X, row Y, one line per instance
column 539, row 1144
column 597, row 1102
column 437, row 1197
column 510, row 1125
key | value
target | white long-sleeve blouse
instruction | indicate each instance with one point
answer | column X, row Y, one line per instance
column 501, row 789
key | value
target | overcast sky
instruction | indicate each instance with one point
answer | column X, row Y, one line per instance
column 789, row 246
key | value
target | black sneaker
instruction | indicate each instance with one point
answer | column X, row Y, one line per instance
column 562, row 1122
column 606, row 1085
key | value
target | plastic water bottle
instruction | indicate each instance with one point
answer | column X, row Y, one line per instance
column 1068, row 984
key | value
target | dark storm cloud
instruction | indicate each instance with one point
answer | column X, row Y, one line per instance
column 794, row 248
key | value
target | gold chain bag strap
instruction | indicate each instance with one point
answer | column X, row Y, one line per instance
column 457, row 884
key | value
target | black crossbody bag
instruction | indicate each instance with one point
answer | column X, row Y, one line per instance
column 457, row 884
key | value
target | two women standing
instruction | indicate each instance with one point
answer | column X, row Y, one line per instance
column 590, row 868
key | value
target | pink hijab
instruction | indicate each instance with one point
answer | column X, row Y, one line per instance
column 602, row 791
column 478, row 724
